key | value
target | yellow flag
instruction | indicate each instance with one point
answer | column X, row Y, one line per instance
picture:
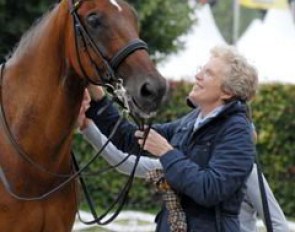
column 265, row 4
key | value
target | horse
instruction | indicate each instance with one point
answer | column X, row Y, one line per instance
column 42, row 85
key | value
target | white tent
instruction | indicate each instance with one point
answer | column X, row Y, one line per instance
column 204, row 35
column 270, row 45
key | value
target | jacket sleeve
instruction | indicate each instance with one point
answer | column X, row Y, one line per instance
column 114, row 156
column 124, row 136
column 278, row 219
column 105, row 116
column 231, row 161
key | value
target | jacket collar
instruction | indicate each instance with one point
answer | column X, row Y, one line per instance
column 229, row 109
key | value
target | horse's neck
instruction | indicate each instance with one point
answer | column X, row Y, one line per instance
column 43, row 96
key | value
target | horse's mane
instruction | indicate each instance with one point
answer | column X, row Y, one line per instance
column 31, row 35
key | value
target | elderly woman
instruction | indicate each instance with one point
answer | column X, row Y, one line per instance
column 206, row 155
column 251, row 206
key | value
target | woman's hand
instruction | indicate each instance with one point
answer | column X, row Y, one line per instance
column 83, row 121
column 96, row 92
column 155, row 143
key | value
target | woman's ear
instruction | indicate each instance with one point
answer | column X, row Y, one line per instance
column 226, row 96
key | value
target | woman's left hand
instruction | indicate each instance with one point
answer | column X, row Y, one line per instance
column 83, row 121
column 155, row 143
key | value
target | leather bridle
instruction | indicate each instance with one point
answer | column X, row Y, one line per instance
column 109, row 66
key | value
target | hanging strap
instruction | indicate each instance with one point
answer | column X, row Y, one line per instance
column 267, row 217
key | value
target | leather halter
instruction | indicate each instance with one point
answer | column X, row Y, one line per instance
column 111, row 65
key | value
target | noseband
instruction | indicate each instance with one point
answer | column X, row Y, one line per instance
column 109, row 66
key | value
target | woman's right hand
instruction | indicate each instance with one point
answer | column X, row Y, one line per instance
column 96, row 92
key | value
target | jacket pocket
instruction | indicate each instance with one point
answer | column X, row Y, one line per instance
column 200, row 154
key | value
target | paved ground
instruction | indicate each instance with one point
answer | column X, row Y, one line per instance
column 134, row 221
column 127, row 221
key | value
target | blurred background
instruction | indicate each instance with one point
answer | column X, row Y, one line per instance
column 180, row 35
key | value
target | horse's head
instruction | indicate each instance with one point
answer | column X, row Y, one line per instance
column 106, row 38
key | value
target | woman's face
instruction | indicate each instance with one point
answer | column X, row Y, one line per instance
column 207, row 92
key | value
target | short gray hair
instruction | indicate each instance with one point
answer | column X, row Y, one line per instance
column 241, row 79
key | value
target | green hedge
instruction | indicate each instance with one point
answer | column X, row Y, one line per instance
column 274, row 117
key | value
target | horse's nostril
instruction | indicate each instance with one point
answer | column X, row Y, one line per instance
column 147, row 90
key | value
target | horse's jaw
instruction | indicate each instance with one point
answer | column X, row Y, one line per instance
column 139, row 112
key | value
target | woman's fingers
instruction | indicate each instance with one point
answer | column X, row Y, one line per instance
column 153, row 143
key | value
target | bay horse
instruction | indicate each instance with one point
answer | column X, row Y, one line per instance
column 42, row 86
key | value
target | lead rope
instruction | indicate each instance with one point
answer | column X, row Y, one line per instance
column 121, row 198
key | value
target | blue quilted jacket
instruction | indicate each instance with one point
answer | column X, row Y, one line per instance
column 207, row 167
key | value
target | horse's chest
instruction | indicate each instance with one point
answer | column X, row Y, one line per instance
column 54, row 214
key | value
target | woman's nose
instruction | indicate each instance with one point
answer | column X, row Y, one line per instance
column 198, row 75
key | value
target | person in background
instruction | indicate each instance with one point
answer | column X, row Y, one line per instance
column 207, row 155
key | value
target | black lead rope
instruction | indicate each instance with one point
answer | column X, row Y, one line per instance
column 121, row 198
column 84, row 187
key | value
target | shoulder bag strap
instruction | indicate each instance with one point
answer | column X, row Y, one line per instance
column 265, row 206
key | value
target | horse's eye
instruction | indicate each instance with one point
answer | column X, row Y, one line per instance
column 93, row 20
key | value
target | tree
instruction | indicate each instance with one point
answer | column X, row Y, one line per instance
column 15, row 18
column 162, row 22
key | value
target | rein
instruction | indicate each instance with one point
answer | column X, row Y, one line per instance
column 11, row 138
column 70, row 177
column 25, row 156
column 121, row 198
